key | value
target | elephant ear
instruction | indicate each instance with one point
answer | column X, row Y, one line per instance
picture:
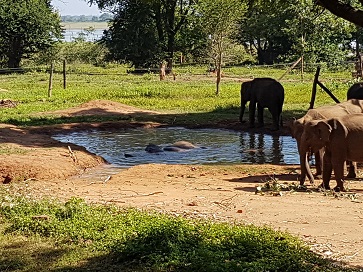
column 324, row 130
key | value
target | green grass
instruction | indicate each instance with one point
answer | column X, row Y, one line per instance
column 48, row 235
column 192, row 94
column 44, row 235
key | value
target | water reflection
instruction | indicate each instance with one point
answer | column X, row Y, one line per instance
column 260, row 148
column 126, row 148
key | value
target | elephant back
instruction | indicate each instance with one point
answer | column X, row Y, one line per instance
column 355, row 91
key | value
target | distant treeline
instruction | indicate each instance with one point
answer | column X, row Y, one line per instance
column 86, row 18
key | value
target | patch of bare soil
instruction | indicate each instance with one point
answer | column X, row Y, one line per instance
column 37, row 165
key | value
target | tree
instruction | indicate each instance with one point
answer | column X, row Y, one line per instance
column 162, row 17
column 132, row 36
column 27, row 27
column 220, row 18
column 287, row 30
column 347, row 10
column 261, row 30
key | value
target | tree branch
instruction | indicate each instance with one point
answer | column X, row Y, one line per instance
column 344, row 11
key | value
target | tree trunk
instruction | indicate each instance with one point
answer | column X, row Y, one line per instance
column 13, row 62
column 219, row 71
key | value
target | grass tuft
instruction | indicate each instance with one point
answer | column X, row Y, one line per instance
column 146, row 241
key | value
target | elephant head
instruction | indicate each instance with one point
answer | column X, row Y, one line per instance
column 296, row 127
column 316, row 134
column 314, row 137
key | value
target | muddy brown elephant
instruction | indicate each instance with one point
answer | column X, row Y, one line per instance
column 342, row 139
column 176, row 147
column 324, row 112
column 266, row 93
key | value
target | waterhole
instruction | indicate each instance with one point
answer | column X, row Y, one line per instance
column 126, row 148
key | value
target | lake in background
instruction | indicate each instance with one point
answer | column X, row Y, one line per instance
column 73, row 30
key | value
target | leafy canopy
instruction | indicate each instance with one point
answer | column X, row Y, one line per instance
column 27, row 26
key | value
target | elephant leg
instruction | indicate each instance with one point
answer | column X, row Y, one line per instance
column 275, row 117
column 242, row 110
column 327, row 170
column 319, row 162
column 352, row 167
column 252, row 111
column 260, row 115
column 339, row 175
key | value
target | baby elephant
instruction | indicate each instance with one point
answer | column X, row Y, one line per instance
column 266, row 93
column 342, row 139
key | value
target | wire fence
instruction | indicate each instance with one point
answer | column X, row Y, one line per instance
column 277, row 71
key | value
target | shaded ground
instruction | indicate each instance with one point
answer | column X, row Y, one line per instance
column 34, row 164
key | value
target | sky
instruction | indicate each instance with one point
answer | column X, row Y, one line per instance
column 75, row 7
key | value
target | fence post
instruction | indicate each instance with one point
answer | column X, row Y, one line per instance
column 290, row 68
column 64, row 74
column 313, row 93
column 51, row 79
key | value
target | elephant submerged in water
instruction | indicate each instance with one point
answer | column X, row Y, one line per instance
column 266, row 93
column 342, row 139
column 297, row 128
column 176, row 147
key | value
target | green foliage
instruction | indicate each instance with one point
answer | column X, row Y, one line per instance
column 145, row 32
column 286, row 30
column 133, row 37
column 73, row 52
column 135, row 240
column 27, row 27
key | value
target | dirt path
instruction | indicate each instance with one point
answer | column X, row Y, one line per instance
column 39, row 166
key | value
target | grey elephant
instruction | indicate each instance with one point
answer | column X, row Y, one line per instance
column 266, row 93
column 355, row 91
column 342, row 139
column 176, row 147
column 321, row 113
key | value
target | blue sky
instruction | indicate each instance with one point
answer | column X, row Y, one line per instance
column 75, row 7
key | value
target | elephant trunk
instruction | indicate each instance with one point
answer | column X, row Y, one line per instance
column 304, row 165
column 242, row 110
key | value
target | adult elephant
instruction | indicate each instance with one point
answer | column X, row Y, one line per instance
column 342, row 139
column 266, row 93
column 355, row 91
column 321, row 113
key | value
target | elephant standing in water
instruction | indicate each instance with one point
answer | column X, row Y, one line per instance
column 266, row 93
column 342, row 139
column 324, row 112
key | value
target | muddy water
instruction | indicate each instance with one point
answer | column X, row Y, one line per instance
column 126, row 148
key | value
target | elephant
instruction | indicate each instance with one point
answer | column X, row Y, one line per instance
column 266, row 93
column 180, row 146
column 324, row 112
column 153, row 148
column 355, row 91
column 176, row 147
column 342, row 139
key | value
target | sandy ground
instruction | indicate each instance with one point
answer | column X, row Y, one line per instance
column 33, row 163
